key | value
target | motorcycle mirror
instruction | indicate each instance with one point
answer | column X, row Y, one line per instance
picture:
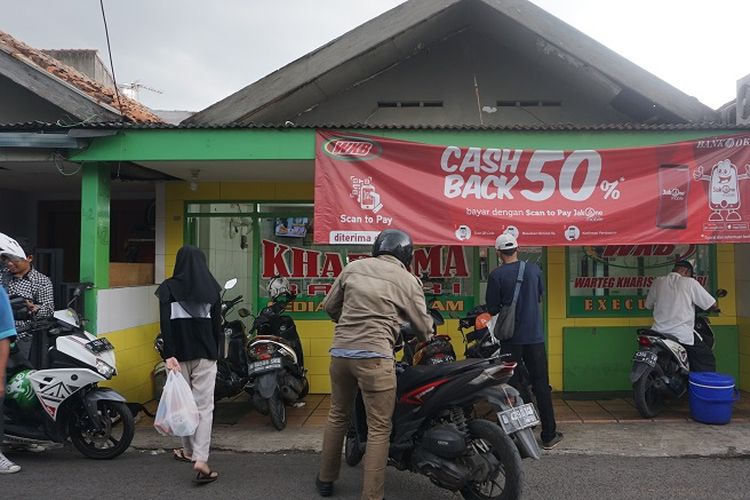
column 436, row 316
column 243, row 312
column 230, row 284
column 721, row 293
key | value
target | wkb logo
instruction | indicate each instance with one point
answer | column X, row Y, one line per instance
column 352, row 148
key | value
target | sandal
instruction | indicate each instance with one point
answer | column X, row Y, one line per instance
column 179, row 454
column 202, row 478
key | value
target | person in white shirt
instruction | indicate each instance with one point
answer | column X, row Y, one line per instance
column 673, row 299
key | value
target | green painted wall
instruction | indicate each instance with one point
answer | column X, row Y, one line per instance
column 599, row 359
column 299, row 144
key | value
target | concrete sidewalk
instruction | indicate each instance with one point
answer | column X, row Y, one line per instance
column 592, row 424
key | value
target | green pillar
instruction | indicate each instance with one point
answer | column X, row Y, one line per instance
column 94, row 234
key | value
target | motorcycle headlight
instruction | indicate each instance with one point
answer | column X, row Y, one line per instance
column 104, row 369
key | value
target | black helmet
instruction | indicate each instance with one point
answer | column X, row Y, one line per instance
column 394, row 242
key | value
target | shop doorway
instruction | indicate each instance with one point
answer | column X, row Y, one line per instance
column 225, row 234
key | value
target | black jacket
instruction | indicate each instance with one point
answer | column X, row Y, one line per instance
column 190, row 338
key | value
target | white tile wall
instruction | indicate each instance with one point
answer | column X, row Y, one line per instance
column 127, row 307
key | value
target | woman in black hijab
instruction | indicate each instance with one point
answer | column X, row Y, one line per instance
column 190, row 314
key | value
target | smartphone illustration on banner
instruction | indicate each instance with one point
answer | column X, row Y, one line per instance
column 674, row 185
column 366, row 198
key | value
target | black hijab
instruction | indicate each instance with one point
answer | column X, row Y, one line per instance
column 191, row 281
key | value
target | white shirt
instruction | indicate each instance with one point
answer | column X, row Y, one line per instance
column 673, row 298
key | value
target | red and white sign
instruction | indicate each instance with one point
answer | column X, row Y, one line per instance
column 307, row 263
column 688, row 192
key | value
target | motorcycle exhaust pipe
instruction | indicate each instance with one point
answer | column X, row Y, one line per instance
column 289, row 394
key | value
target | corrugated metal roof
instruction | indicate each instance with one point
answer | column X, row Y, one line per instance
column 558, row 127
column 379, row 43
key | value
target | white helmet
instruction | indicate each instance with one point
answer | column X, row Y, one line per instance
column 277, row 286
column 10, row 247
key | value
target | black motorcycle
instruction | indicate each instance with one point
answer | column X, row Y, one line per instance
column 515, row 417
column 435, row 432
column 661, row 367
column 231, row 367
column 53, row 395
column 276, row 369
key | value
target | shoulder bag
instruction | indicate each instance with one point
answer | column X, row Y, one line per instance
column 503, row 324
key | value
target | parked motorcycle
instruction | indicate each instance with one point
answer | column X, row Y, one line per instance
column 661, row 367
column 276, row 372
column 516, row 418
column 434, row 430
column 58, row 397
column 231, row 366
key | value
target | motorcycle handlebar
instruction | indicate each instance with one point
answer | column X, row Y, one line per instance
column 233, row 302
column 476, row 335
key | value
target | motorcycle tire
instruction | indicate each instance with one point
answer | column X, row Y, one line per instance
column 277, row 410
column 649, row 400
column 91, row 444
column 510, row 464
column 353, row 449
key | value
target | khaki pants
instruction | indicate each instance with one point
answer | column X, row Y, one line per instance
column 201, row 377
column 376, row 378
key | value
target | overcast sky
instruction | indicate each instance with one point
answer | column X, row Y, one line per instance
column 198, row 52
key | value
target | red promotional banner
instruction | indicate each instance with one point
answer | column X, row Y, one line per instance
column 688, row 192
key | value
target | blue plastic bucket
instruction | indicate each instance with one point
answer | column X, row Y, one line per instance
column 712, row 396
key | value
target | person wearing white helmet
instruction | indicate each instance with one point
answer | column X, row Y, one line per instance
column 18, row 277
column 527, row 343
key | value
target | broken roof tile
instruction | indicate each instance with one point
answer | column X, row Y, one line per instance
column 130, row 109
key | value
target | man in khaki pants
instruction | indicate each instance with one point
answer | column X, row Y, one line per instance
column 369, row 301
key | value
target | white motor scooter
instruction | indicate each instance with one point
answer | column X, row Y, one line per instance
column 59, row 398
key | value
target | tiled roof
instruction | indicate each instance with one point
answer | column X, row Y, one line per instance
column 131, row 110
column 557, row 127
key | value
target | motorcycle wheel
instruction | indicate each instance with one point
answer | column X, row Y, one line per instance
column 353, row 450
column 487, row 435
column 649, row 399
column 277, row 409
column 113, row 440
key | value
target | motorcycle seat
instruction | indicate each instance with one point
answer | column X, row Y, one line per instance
column 16, row 363
column 414, row 376
column 654, row 333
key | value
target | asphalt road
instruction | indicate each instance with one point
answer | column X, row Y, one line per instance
column 144, row 475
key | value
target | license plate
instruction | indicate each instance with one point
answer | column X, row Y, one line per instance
column 518, row 418
column 99, row 345
column 264, row 366
column 647, row 357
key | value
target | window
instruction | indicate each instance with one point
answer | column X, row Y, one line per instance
column 614, row 280
column 532, row 103
column 410, row 104
column 255, row 242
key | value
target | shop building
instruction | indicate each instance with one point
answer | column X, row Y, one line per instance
column 479, row 73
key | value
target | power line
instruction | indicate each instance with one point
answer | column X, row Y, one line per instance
column 111, row 63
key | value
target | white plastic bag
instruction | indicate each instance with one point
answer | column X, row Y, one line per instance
column 177, row 414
